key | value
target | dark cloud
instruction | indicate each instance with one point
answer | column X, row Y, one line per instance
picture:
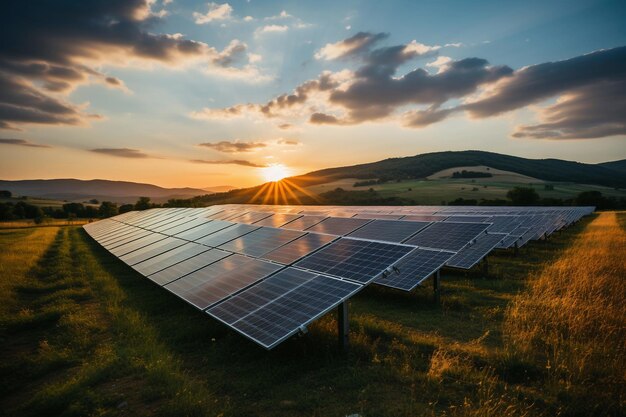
column 422, row 118
column 234, row 147
column 376, row 93
column 539, row 82
column 594, row 111
column 55, row 46
column 22, row 142
column 323, row 119
column 228, row 162
column 122, row 152
column 354, row 45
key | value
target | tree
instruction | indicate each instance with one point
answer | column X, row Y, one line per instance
column 125, row 208
column 5, row 194
column 143, row 203
column 523, row 196
column 38, row 215
column 107, row 209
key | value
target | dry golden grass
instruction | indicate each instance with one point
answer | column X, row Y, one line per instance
column 572, row 319
column 18, row 224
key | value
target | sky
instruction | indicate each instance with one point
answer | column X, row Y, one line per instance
column 193, row 93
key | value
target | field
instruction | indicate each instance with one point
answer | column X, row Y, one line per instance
column 542, row 334
column 440, row 187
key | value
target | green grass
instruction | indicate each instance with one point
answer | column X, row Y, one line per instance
column 436, row 191
column 83, row 334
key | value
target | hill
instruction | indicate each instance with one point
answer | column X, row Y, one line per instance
column 610, row 174
column 118, row 191
column 619, row 166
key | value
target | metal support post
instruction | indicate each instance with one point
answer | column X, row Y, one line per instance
column 437, row 287
column 343, row 326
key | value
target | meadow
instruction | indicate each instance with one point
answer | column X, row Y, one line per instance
column 442, row 188
column 542, row 334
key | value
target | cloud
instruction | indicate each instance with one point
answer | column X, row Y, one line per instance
column 539, row 82
column 289, row 142
column 282, row 15
column 22, row 142
column 121, row 152
column 234, row 147
column 228, row 162
column 215, row 12
column 234, row 51
column 49, row 50
column 378, row 90
column 594, row 111
column 354, row 45
column 271, row 29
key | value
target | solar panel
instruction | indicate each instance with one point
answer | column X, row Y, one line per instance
column 298, row 248
column 303, row 222
column 389, row 230
column 203, row 230
column 252, row 217
column 424, row 218
column 173, row 230
column 448, row 236
column 357, row 260
column 221, row 279
column 279, row 306
column 415, row 268
column 261, row 241
column 136, row 244
column 187, row 266
column 167, row 259
column 468, row 219
column 219, row 238
column 338, row 225
column 151, row 250
column 379, row 216
column 469, row 256
column 277, row 220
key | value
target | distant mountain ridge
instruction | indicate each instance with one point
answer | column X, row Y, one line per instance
column 611, row 174
column 74, row 189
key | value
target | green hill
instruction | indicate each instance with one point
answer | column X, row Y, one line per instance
column 611, row 174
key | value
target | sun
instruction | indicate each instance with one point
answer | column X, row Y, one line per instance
column 275, row 172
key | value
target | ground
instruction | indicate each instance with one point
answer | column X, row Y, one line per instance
column 83, row 334
column 441, row 188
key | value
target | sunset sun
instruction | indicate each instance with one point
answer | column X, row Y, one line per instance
column 275, row 172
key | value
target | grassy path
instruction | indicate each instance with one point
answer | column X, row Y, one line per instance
column 83, row 334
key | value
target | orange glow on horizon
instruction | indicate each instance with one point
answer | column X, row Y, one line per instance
column 275, row 172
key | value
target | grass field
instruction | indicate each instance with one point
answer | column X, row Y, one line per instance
column 83, row 334
column 440, row 187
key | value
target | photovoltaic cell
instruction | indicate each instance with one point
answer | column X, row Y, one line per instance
column 389, row 230
column 252, row 217
column 303, row 222
column 338, row 225
column 219, row 238
column 278, row 307
column 152, row 250
column 261, row 241
column 221, row 279
column 188, row 266
column 298, row 248
column 167, row 259
column 424, row 218
column 277, row 220
column 469, row 256
column 129, row 247
column 203, row 230
column 468, row 219
column 448, row 236
column 357, row 260
column 415, row 268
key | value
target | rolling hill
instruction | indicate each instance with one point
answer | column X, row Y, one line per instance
column 117, row 191
column 610, row 174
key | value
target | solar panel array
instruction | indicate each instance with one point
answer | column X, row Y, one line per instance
column 269, row 271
